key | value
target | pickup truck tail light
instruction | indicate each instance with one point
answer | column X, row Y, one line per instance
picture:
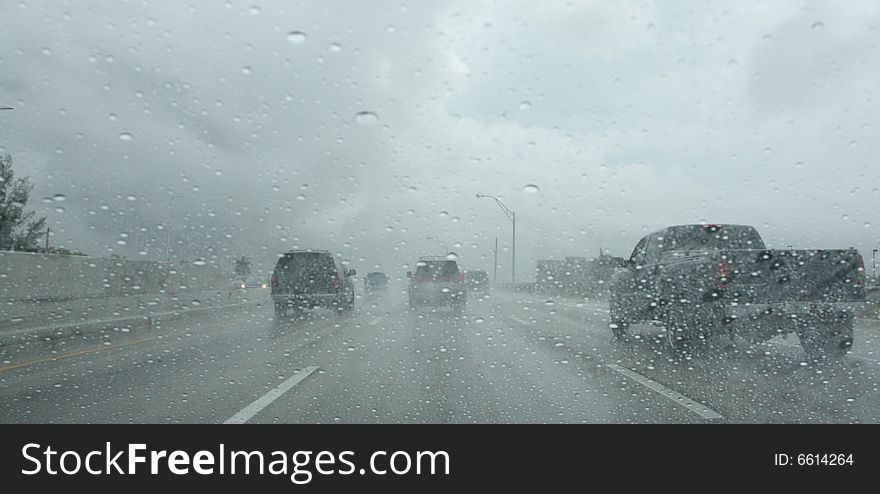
column 723, row 273
column 860, row 266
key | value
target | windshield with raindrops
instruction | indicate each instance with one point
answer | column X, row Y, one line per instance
column 439, row 212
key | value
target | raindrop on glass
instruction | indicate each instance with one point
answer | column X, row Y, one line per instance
column 531, row 189
column 125, row 136
column 366, row 117
column 297, row 37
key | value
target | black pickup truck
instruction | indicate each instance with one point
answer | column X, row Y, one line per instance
column 700, row 281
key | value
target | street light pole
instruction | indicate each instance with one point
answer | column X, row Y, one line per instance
column 511, row 215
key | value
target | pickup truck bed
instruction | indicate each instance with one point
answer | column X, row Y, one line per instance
column 698, row 289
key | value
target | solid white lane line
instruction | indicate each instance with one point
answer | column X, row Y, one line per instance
column 520, row 320
column 254, row 408
column 693, row 406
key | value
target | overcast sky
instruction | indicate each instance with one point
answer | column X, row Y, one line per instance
column 249, row 128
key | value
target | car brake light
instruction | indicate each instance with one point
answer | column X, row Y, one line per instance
column 335, row 281
column 723, row 273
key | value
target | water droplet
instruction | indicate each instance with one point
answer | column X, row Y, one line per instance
column 366, row 117
column 531, row 189
column 120, row 242
column 297, row 37
column 196, row 302
column 255, row 9
column 335, row 47
column 525, row 105
column 300, row 197
column 444, row 214
column 47, row 51
column 47, row 200
column 112, row 117
column 125, row 136
column 275, row 188
column 199, row 262
column 246, row 70
column 818, row 25
column 131, row 198
column 59, row 198
column 59, row 209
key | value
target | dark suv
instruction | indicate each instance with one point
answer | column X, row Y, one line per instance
column 306, row 279
column 437, row 282
column 375, row 281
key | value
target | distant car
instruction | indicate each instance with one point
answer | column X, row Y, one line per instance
column 437, row 281
column 477, row 281
column 253, row 282
column 375, row 281
column 307, row 279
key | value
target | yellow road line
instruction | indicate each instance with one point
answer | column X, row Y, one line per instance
column 88, row 351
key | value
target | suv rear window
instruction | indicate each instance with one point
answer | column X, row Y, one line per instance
column 299, row 261
column 436, row 268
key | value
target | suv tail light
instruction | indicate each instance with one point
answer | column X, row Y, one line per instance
column 723, row 273
column 336, row 282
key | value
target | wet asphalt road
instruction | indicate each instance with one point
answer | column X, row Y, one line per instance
column 511, row 358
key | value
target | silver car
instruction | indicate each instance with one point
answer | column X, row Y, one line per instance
column 437, row 282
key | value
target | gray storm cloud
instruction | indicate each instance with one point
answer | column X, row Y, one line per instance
column 218, row 123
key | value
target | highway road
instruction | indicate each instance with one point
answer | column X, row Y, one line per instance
column 511, row 358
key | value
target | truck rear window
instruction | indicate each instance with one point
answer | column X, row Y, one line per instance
column 709, row 237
